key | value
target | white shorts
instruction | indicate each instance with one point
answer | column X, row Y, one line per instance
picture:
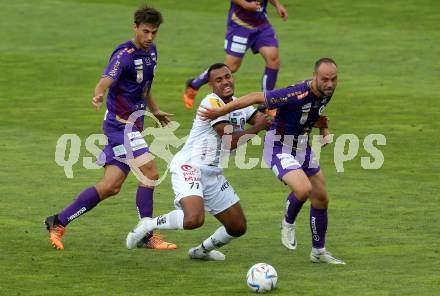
column 205, row 181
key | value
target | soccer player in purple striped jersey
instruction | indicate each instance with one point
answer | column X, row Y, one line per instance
column 247, row 27
column 128, row 78
column 287, row 150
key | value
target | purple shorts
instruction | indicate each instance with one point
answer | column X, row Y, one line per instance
column 117, row 150
column 238, row 39
column 283, row 161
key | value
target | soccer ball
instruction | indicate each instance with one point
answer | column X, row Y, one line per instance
column 261, row 278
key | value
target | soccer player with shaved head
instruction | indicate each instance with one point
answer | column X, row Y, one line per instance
column 288, row 153
column 128, row 78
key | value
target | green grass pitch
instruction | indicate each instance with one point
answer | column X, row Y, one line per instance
column 384, row 223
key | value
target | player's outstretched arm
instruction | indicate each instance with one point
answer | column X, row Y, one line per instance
column 100, row 89
column 206, row 113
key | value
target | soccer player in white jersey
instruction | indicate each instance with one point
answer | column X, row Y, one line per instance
column 197, row 177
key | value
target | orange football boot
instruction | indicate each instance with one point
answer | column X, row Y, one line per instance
column 56, row 232
column 190, row 95
column 156, row 242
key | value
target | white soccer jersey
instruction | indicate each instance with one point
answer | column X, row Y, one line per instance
column 204, row 145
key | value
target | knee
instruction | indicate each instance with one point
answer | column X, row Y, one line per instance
column 321, row 201
column 234, row 66
column 273, row 62
column 106, row 190
column 149, row 179
column 303, row 192
column 193, row 221
column 238, row 229
column 154, row 175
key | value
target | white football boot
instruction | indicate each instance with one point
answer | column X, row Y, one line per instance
column 138, row 233
column 324, row 256
column 200, row 253
column 288, row 235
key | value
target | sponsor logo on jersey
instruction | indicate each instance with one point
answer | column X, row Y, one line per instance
column 278, row 100
column 190, row 174
column 306, row 107
column 115, row 69
column 186, row 167
column 139, row 75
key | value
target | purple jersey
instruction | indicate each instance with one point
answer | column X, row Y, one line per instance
column 240, row 16
column 132, row 70
column 298, row 110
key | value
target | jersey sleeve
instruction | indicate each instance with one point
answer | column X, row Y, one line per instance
column 285, row 96
column 119, row 61
column 213, row 102
column 250, row 112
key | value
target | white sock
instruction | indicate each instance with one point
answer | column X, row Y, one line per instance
column 172, row 220
column 216, row 240
column 318, row 251
column 287, row 223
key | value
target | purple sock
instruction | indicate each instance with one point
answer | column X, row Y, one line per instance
column 269, row 79
column 293, row 207
column 86, row 201
column 199, row 81
column 318, row 226
column 144, row 201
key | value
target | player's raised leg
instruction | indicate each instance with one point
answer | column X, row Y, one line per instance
column 110, row 185
column 319, row 220
column 192, row 87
